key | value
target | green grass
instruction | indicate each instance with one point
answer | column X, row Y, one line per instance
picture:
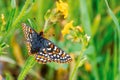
column 99, row 19
column 28, row 65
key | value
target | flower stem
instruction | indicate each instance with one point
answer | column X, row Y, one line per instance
column 78, row 64
column 45, row 26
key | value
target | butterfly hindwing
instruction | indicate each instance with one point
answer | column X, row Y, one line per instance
column 42, row 58
column 55, row 53
column 43, row 49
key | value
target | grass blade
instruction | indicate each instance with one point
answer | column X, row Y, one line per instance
column 22, row 13
column 115, row 20
column 28, row 65
column 86, row 23
column 85, row 17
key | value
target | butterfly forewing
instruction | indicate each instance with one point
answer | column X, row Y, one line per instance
column 43, row 49
column 32, row 39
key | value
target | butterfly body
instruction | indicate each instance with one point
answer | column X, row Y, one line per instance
column 43, row 49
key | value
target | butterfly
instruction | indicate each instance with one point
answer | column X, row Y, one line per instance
column 43, row 49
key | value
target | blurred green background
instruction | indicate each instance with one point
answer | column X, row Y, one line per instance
column 99, row 19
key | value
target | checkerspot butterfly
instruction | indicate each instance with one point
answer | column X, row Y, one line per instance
column 43, row 49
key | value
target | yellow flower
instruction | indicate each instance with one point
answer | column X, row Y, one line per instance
column 62, row 7
column 87, row 66
column 67, row 28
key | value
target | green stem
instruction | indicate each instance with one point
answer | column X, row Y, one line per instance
column 78, row 64
column 119, row 49
column 45, row 26
column 47, row 18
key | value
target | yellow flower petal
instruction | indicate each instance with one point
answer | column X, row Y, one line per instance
column 88, row 66
column 62, row 7
column 67, row 28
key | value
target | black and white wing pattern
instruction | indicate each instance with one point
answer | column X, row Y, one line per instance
column 43, row 49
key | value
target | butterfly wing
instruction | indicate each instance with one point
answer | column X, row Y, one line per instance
column 55, row 53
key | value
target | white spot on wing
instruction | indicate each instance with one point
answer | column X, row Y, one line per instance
column 37, row 58
column 55, row 48
column 54, row 55
column 30, row 36
column 51, row 56
column 49, row 53
column 58, row 56
column 46, row 55
column 44, row 60
column 55, row 59
column 49, row 49
column 43, row 49
column 60, row 52
column 49, row 43
column 41, row 59
column 40, row 52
